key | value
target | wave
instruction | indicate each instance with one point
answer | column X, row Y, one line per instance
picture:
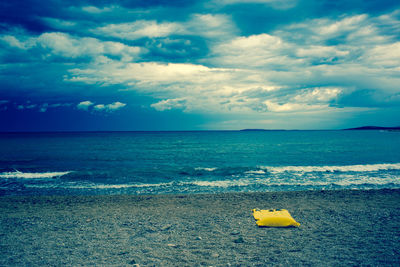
column 224, row 184
column 116, row 186
column 32, row 175
column 205, row 169
column 264, row 178
column 344, row 168
column 296, row 170
column 344, row 181
column 219, row 183
column 95, row 186
column 255, row 172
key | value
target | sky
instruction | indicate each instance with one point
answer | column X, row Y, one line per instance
column 85, row 65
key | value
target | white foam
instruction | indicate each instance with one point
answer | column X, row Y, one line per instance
column 344, row 168
column 32, row 175
column 205, row 169
column 255, row 172
column 220, row 183
column 362, row 180
column 73, row 185
column 117, row 186
column 347, row 181
column 223, row 183
column 340, row 180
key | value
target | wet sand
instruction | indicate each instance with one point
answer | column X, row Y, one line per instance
column 338, row 228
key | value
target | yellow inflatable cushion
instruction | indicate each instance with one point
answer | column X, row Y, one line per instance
column 274, row 218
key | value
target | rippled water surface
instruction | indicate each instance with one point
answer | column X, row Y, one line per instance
column 197, row 162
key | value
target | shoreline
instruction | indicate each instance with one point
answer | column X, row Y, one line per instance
column 338, row 227
column 79, row 194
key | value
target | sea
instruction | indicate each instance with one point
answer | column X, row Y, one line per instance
column 141, row 163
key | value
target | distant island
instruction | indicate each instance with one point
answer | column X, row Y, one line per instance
column 362, row 128
column 260, row 130
column 375, row 128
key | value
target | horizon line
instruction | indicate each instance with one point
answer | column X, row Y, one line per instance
column 121, row 131
column 239, row 130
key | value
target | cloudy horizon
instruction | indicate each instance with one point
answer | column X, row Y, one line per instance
column 199, row 65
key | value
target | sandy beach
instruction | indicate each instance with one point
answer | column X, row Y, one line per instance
column 338, row 228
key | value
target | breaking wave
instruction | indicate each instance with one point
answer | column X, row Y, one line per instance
column 31, row 175
column 223, row 179
column 265, row 184
column 205, row 169
column 344, row 168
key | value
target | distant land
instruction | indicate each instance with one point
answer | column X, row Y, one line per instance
column 376, row 128
column 357, row 128
column 260, row 130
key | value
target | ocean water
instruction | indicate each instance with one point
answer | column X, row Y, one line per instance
column 197, row 162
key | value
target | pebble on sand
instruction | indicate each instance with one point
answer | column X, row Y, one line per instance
column 239, row 240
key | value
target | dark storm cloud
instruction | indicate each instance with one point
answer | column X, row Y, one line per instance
column 25, row 14
column 29, row 14
column 255, row 17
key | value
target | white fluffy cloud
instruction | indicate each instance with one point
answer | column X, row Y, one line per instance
column 317, row 95
column 277, row 4
column 115, row 106
column 169, row 104
column 293, row 107
column 205, row 25
column 99, row 107
column 84, row 105
column 214, row 26
column 65, row 45
column 149, row 75
column 139, row 29
column 14, row 42
column 251, row 51
column 108, row 107
column 68, row 46
column 329, row 28
column 320, row 51
column 96, row 10
column 387, row 55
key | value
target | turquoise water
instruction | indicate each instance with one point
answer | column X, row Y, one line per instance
column 197, row 162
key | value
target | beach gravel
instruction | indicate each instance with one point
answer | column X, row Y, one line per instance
column 338, row 228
